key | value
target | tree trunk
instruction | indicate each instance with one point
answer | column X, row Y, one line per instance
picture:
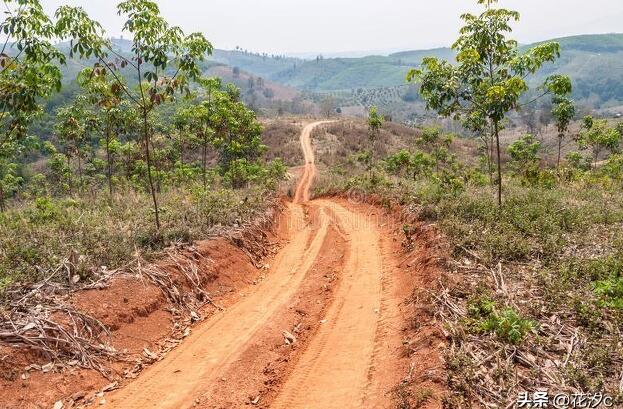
column 128, row 165
column 182, row 151
column 80, row 173
column 205, row 160
column 2, row 205
column 69, row 176
column 149, row 176
column 491, row 154
column 499, row 160
column 560, row 136
column 109, row 160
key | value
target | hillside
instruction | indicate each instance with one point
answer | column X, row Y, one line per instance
column 593, row 61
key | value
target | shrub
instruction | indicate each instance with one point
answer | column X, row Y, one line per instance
column 610, row 292
column 508, row 325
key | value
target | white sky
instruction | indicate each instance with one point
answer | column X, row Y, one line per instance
column 332, row 26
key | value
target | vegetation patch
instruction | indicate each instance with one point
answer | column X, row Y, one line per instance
column 531, row 299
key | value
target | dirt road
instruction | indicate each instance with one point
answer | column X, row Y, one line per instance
column 335, row 368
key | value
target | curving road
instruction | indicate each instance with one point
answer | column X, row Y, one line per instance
column 334, row 370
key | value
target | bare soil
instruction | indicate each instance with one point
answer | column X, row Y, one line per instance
column 331, row 317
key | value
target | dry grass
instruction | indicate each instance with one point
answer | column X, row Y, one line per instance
column 282, row 139
column 547, row 265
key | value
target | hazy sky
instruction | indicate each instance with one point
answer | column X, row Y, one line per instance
column 329, row 26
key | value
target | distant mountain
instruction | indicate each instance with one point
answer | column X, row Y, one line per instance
column 595, row 63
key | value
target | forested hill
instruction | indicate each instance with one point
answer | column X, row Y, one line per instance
column 595, row 62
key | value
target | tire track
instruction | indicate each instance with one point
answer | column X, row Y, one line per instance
column 334, row 371
column 189, row 369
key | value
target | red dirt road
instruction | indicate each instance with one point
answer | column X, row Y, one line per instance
column 346, row 357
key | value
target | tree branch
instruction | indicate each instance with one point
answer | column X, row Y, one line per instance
column 125, row 89
column 535, row 99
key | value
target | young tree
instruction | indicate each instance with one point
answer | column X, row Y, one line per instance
column 197, row 121
column 327, row 106
column 598, row 136
column 10, row 180
column 74, row 124
column 437, row 142
column 237, row 133
column 375, row 121
column 115, row 116
column 524, row 155
column 163, row 61
column 563, row 113
column 490, row 75
column 29, row 68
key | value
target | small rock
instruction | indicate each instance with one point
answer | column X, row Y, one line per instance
column 255, row 401
column 290, row 339
column 110, row 387
column 47, row 367
column 58, row 404
column 149, row 354
column 194, row 316
column 78, row 396
column 103, row 401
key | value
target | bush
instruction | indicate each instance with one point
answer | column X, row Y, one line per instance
column 508, row 325
column 610, row 292
column 35, row 239
column 484, row 317
column 242, row 172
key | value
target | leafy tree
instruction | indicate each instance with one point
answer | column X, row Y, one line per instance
column 116, row 116
column 415, row 164
column 184, row 138
column 74, row 124
column 489, row 77
column 563, row 113
column 195, row 120
column 438, row 142
column 163, row 62
column 237, row 133
column 9, row 176
column 375, row 121
column 29, row 68
column 598, row 136
column 524, row 155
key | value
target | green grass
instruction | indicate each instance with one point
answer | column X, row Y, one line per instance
column 93, row 234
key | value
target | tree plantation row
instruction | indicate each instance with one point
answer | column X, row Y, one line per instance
column 111, row 130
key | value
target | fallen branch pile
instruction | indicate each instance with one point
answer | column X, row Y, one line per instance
column 39, row 318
